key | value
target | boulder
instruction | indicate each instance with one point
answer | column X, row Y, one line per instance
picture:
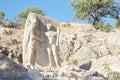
column 8, row 64
column 11, row 75
column 27, row 75
column 86, row 66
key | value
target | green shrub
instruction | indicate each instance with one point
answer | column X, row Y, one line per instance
column 117, row 23
column 75, row 62
column 106, row 27
column 66, row 24
column 88, row 38
column 98, row 26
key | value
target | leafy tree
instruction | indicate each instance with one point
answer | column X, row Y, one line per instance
column 95, row 10
column 22, row 16
column 2, row 14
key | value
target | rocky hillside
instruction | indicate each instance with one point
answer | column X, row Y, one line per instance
column 86, row 54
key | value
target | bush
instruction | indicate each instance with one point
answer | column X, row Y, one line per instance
column 106, row 27
column 98, row 26
column 88, row 38
column 117, row 23
column 66, row 24
column 75, row 62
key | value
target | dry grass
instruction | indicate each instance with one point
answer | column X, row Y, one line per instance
column 75, row 27
column 16, row 34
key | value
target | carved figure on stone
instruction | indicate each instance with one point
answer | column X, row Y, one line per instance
column 36, row 42
column 33, row 43
column 52, row 43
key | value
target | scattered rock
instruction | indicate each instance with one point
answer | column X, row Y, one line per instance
column 86, row 66
column 15, row 53
column 5, row 31
column 94, row 76
column 8, row 24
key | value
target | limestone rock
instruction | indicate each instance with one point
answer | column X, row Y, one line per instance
column 8, row 64
column 114, row 40
column 67, row 42
column 105, row 64
column 95, row 76
column 91, row 50
column 21, row 75
column 11, row 75
column 113, row 76
column 34, row 74
column 5, row 31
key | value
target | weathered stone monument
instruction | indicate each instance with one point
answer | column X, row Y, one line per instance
column 52, row 44
column 35, row 40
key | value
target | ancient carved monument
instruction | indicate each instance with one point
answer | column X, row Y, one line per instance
column 52, row 43
column 35, row 41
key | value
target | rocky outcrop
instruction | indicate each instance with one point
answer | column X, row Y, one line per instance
column 85, row 55
column 26, row 75
column 14, row 53
column 91, row 50
column 90, row 44
column 5, row 31
column 99, row 47
column 7, row 24
column 8, row 64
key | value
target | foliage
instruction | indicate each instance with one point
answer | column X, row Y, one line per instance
column 117, row 23
column 2, row 14
column 75, row 62
column 95, row 10
column 22, row 16
column 98, row 26
column 106, row 27
column 66, row 24
column 88, row 38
